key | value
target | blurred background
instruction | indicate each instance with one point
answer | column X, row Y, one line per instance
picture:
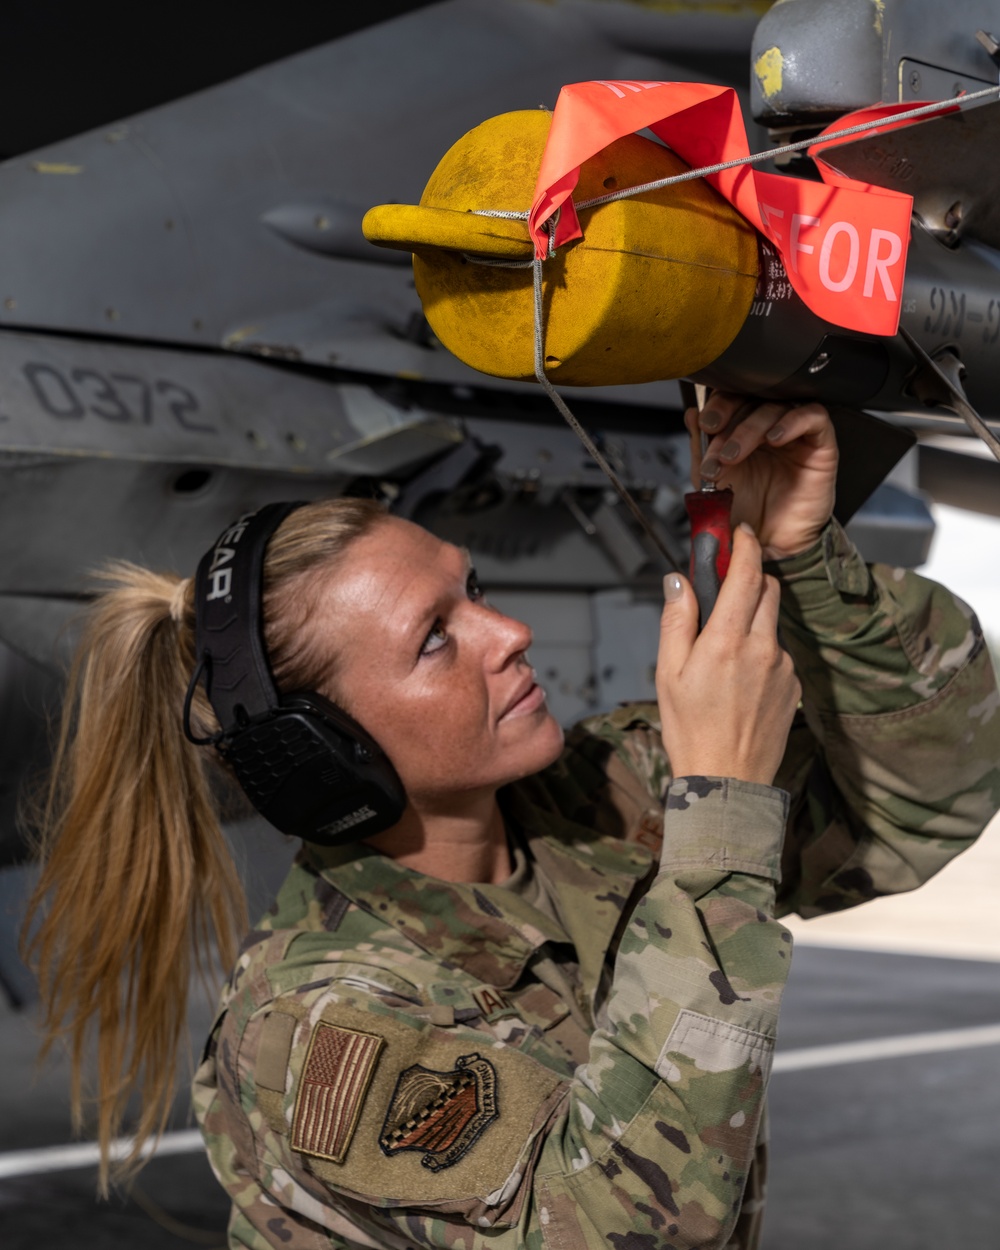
column 191, row 322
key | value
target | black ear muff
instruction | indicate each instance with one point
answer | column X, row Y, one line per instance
column 305, row 765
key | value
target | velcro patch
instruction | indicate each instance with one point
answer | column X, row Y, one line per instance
column 441, row 1113
column 338, row 1070
column 525, row 1093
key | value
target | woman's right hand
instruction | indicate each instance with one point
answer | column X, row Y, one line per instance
column 727, row 695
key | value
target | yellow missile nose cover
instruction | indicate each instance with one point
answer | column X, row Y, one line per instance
column 657, row 288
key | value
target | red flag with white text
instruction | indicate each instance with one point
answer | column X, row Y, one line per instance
column 843, row 242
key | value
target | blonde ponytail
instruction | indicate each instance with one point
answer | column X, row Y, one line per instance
column 138, row 889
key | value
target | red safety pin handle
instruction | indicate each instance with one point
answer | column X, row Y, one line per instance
column 711, row 545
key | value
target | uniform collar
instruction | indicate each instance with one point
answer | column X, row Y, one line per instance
column 594, row 877
column 488, row 932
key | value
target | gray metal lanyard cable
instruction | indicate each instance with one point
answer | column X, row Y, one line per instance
column 925, row 112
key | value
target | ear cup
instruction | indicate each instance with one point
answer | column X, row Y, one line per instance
column 315, row 774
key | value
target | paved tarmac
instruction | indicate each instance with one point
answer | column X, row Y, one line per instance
column 872, row 1150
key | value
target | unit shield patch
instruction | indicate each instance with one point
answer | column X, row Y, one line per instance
column 441, row 1113
column 338, row 1070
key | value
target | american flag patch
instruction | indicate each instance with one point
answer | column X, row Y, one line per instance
column 339, row 1068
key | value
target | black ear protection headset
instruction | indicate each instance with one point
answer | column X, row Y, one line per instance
column 305, row 765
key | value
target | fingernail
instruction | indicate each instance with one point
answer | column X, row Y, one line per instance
column 747, row 528
column 710, row 467
column 673, row 588
column 711, row 421
column 731, row 450
column 776, row 433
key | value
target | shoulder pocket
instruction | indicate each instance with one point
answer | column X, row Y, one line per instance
column 399, row 1113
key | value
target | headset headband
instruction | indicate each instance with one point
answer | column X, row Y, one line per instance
column 229, row 627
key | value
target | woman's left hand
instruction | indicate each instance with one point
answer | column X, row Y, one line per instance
column 780, row 460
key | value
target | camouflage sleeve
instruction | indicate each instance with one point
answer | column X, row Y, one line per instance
column 900, row 696
column 371, row 1118
column 893, row 762
column 656, row 1138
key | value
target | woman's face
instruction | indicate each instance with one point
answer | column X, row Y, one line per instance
column 439, row 678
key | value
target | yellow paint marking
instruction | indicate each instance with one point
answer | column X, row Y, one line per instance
column 54, row 167
column 879, row 15
column 768, row 68
column 238, row 336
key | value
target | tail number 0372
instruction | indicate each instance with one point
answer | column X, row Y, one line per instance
column 124, row 398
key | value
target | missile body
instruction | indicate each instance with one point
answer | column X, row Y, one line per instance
column 658, row 287
column 667, row 284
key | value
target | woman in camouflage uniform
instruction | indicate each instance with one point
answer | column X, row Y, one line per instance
column 540, row 1009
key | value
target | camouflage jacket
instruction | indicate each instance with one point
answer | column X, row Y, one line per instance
column 400, row 1061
